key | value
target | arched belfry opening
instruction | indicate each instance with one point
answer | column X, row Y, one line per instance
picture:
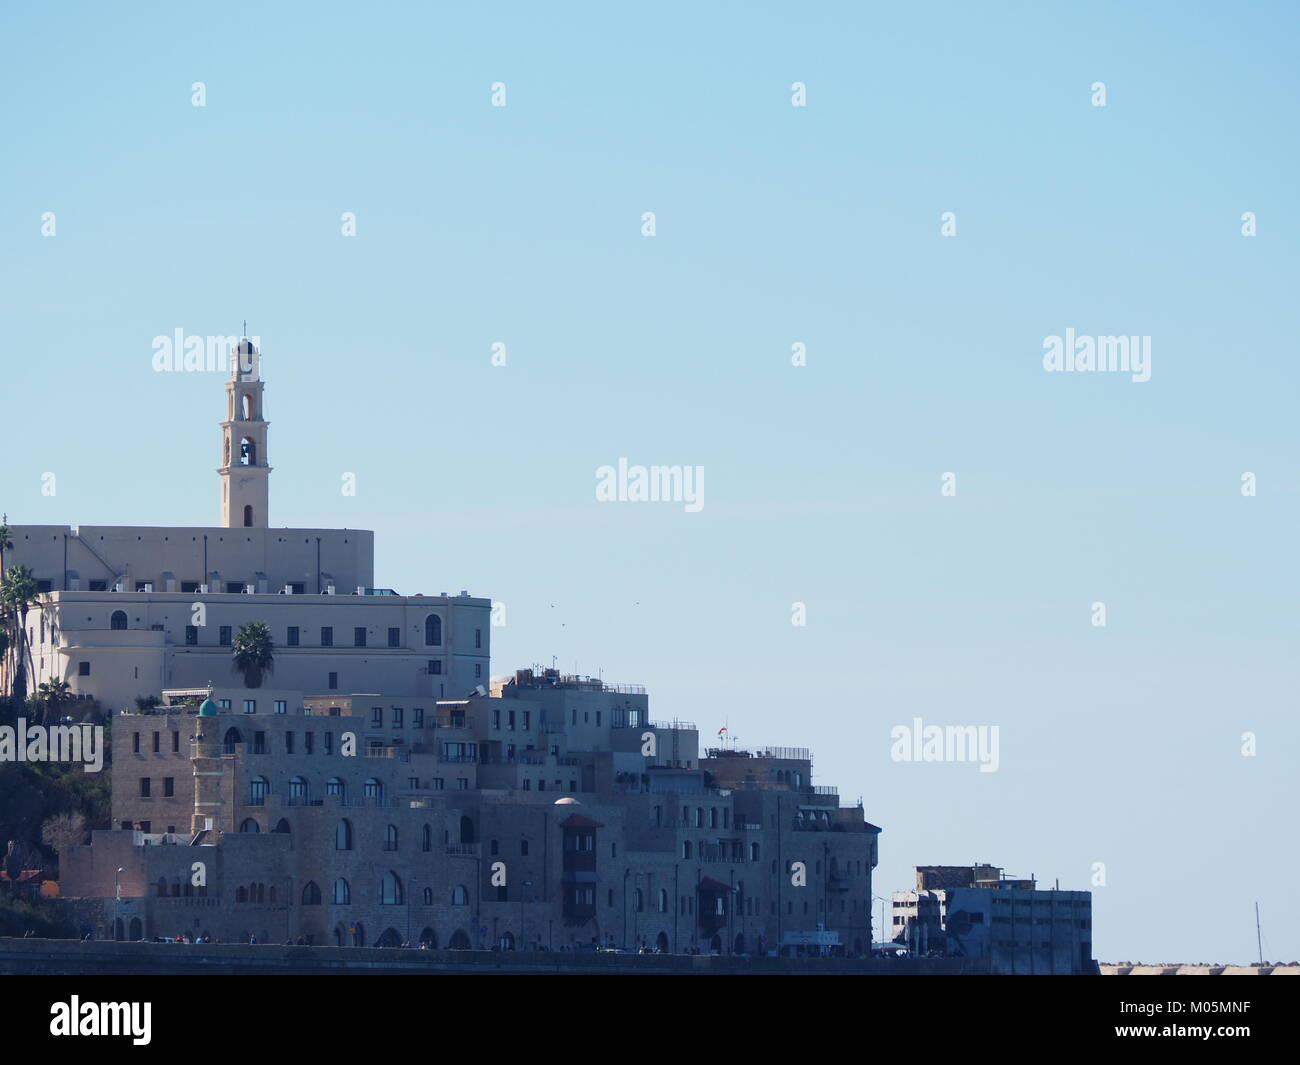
column 244, row 470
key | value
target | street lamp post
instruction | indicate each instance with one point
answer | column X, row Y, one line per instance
column 882, row 900
column 118, row 884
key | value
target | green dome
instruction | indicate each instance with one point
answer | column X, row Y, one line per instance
column 208, row 708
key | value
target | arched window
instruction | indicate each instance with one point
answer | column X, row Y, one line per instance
column 249, row 825
column 686, row 848
column 390, row 889
column 426, row 840
column 429, row 938
column 699, row 817
column 247, row 453
column 663, row 900
column 231, row 738
column 390, row 938
column 466, row 830
column 459, row 896
column 428, row 896
column 433, row 631
column 162, row 886
column 311, row 894
column 282, row 826
column 257, row 791
column 241, row 893
column 343, row 835
column 248, row 516
column 298, row 790
column 336, row 787
column 118, row 620
column 638, row 901
column 372, row 789
column 342, row 893
column 390, row 838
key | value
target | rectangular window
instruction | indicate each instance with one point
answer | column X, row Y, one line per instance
column 435, row 666
column 191, row 635
column 496, row 720
column 413, row 783
column 397, row 717
column 292, row 636
column 478, row 669
column 99, row 586
column 146, row 826
column 527, row 717
column 223, row 636
column 510, row 720
column 144, row 787
column 189, row 586
column 394, row 637
column 359, row 636
column 298, row 587
column 135, row 743
column 259, row 743
column 309, row 742
column 157, row 742
column 334, row 682
column 234, row 587
column 376, row 717
column 462, row 783
column 223, row 704
column 169, row 786
column 281, row 706
column 436, row 783
column 417, row 718
column 327, row 636
column 288, row 743
column 598, row 719
column 329, row 743
column 83, row 669
column 176, row 743
column 250, row 706
column 478, row 637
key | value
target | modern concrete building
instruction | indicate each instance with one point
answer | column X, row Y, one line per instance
column 976, row 912
column 381, row 788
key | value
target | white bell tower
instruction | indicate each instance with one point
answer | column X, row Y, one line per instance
column 244, row 471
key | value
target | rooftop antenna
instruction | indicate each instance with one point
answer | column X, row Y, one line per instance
column 245, row 327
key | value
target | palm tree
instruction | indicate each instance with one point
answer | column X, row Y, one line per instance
column 53, row 695
column 6, row 542
column 17, row 593
column 252, row 652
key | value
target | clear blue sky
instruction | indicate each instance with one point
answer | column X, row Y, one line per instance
column 775, row 225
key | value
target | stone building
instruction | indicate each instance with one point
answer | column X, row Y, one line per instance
column 385, row 789
column 973, row 911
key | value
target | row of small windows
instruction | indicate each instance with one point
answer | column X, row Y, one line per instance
column 293, row 633
column 391, row 893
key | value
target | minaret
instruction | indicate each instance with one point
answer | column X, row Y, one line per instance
column 244, row 472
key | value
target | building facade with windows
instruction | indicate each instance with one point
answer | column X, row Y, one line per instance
column 976, row 912
column 382, row 788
